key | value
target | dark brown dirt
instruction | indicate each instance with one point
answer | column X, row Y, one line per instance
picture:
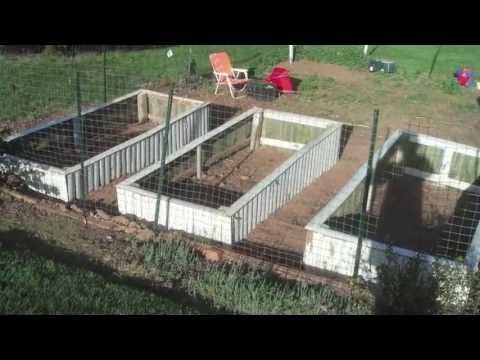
column 225, row 181
column 55, row 146
column 106, row 197
column 412, row 213
column 245, row 169
column 285, row 228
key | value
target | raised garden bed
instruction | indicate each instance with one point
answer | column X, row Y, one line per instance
column 120, row 138
column 225, row 182
column 423, row 201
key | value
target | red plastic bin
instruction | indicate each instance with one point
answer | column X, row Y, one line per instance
column 280, row 77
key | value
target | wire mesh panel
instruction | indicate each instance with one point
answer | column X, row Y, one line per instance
column 96, row 126
column 94, row 117
column 203, row 174
column 107, row 112
column 421, row 187
column 423, row 199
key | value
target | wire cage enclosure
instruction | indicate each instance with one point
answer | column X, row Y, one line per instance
column 113, row 140
column 424, row 201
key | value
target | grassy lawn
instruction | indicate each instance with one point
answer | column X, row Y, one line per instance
column 32, row 86
column 32, row 284
column 35, row 85
column 36, row 248
column 415, row 60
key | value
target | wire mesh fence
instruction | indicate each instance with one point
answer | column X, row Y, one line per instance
column 106, row 126
column 94, row 119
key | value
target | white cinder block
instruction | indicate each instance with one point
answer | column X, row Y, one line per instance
column 47, row 180
column 334, row 251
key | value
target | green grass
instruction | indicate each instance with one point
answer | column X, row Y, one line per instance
column 351, row 56
column 210, row 288
column 411, row 60
column 32, row 284
column 34, row 85
column 415, row 60
column 242, row 290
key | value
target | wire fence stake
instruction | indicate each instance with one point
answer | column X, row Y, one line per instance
column 163, row 158
column 368, row 180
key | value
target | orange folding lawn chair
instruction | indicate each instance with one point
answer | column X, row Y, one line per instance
column 226, row 75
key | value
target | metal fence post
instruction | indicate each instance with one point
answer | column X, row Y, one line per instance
column 104, row 74
column 368, row 181
column 161, row 177
column 83, row 184
column 291, row 53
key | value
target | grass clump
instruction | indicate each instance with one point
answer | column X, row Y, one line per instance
column 313, row 83
column 450, row 86
column 240, row 289
column 350, row 56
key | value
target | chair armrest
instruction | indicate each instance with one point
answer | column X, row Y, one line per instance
column 221, row 73
column 236, row 71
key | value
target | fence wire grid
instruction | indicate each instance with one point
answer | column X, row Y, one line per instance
column 100, row 117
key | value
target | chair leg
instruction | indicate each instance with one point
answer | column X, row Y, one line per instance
column 230, row 87
column 232, row 91
column 243, row 88
column 216, row 89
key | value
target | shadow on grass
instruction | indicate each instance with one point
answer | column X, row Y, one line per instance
column 22, row 241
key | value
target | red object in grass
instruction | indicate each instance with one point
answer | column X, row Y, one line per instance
column 281, row 79
column 464, row 76
column 463, row 79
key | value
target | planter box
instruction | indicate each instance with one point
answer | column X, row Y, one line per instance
column 316, row 143
column 331, row 241
column 57, row 175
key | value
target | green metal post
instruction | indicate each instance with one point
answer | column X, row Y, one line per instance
column 83, row 184
column 161, row 177
column 104, row 74
column 434, row 61
column 368, row 181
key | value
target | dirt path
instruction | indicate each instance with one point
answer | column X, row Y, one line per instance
column 305, row 68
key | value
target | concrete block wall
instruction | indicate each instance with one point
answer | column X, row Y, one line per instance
column 449, row 149
column 152, row 106
column 289, row 130
column 333, row 251
column 47, row 180
column 191, row 218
